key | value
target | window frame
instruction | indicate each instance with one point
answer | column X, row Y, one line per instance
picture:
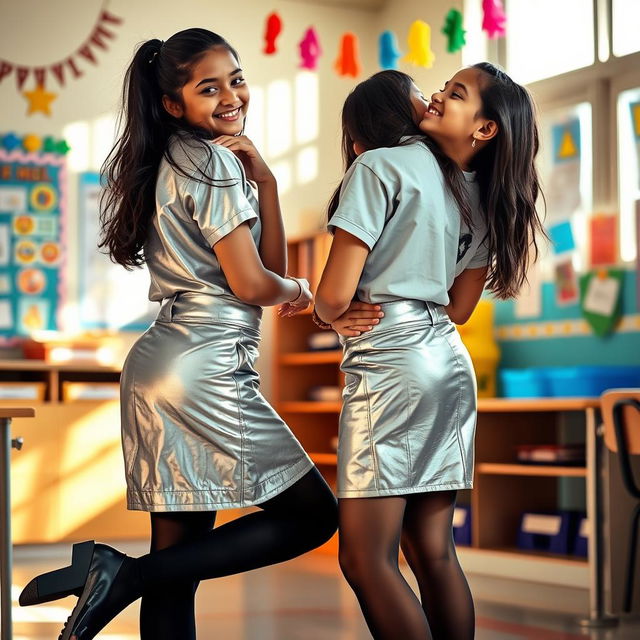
column 599, row 84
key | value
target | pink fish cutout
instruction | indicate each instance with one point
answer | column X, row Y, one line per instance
column 494, row 18
column 272, row 31
column 310, row 50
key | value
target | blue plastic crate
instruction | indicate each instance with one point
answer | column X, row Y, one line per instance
column 590, row 381
column 523, row 383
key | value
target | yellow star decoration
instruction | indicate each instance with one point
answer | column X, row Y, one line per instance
column 39, row 100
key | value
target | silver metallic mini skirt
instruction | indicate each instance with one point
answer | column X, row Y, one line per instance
column 409, row 406
column 197, row 434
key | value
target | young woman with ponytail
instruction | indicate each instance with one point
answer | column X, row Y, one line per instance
column 437, row 203
column 197, row 434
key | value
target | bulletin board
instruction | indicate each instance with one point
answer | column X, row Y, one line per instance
column 32, row 227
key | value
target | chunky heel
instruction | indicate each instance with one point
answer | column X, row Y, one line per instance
column 62, row 582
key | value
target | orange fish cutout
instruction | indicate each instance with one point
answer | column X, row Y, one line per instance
column 348, row 63
column 272, row 31
column 419, row 41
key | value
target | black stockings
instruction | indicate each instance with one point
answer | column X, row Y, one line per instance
column 186, row 551
column 371, row 531
column 166, row 614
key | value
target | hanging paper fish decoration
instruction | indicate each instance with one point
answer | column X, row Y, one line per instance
column 419, row 41
column 494, row 18
column 348, row 63
column 272, row 31
column 453, row 30
column 388, row 53
column 310, row 50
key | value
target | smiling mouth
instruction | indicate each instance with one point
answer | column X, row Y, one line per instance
column 433, row 111
column 228, row 115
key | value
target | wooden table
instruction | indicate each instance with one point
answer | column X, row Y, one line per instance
column 6, row 563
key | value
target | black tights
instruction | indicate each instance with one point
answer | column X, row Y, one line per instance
column 185, row 550
column 371, row 532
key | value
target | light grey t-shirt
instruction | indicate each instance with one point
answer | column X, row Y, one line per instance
column 395, row 200
column 192, row 216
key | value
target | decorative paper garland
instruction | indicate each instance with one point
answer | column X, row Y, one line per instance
column 39, row 98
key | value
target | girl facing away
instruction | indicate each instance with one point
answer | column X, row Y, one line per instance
column 197, row 434
column 438, row 201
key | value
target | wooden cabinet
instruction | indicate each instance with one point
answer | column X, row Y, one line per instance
column 67, row 482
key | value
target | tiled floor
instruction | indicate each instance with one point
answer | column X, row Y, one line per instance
column 305, row 599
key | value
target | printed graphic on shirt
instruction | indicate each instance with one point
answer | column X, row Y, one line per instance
column 463, row 245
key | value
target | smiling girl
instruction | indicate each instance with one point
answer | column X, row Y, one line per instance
column 421, row 225
column 197, row 434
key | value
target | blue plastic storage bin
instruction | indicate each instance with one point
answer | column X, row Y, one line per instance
column 523, row 383
column 590, row 381
column 550, row 532
column 462, row 525
column 563, row 382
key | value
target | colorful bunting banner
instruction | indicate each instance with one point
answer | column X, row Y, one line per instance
column 39, row 98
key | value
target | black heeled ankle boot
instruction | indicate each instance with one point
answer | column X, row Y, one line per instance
column 93, row 580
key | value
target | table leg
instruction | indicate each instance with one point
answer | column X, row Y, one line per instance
column 595, row 495
column 6, row 565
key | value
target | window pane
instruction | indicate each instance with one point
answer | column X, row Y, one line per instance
column 626, row 27
column 548, row 37
column 628, row 169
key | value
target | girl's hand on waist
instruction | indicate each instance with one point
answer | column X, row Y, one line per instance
column 359, row 318
column 254, row 165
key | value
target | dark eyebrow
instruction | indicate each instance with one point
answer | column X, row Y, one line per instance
column 207, row 80
column 458, row 84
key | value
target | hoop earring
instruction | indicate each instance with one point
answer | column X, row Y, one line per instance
column 473, row 144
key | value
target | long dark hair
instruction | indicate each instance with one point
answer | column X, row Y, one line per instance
column 378, row 113
column 130, row 170
column 508, row 180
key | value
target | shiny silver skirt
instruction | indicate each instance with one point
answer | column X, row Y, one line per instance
column 197, row 434
column 409, row 406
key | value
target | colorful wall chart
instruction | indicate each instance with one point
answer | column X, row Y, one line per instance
column 32, row 214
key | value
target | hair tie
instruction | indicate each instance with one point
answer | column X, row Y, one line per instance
column 155, row 53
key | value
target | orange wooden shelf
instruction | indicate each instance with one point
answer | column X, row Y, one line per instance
column 507, row 405
column 309, row 407
column 494, row 468
column 534, row 555
column 312, row 357
column 324, row 458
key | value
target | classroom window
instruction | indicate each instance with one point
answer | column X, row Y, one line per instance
column 547, row 37
column 626, row 27
column 628, row 170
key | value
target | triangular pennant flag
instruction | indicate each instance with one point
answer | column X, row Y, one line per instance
column 109, row 17
column 39, row 74
column 72, row 65
column 87, row 54
column 58, row 72
column 98, row 34
column 21, row 75
column 5, row 69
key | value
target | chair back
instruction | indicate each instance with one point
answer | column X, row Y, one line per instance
column 630, row 414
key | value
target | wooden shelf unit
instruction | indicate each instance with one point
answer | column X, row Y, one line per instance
column 504, row 489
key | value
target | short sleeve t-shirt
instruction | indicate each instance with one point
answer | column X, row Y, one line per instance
column 191, row 216
column 395, row 200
